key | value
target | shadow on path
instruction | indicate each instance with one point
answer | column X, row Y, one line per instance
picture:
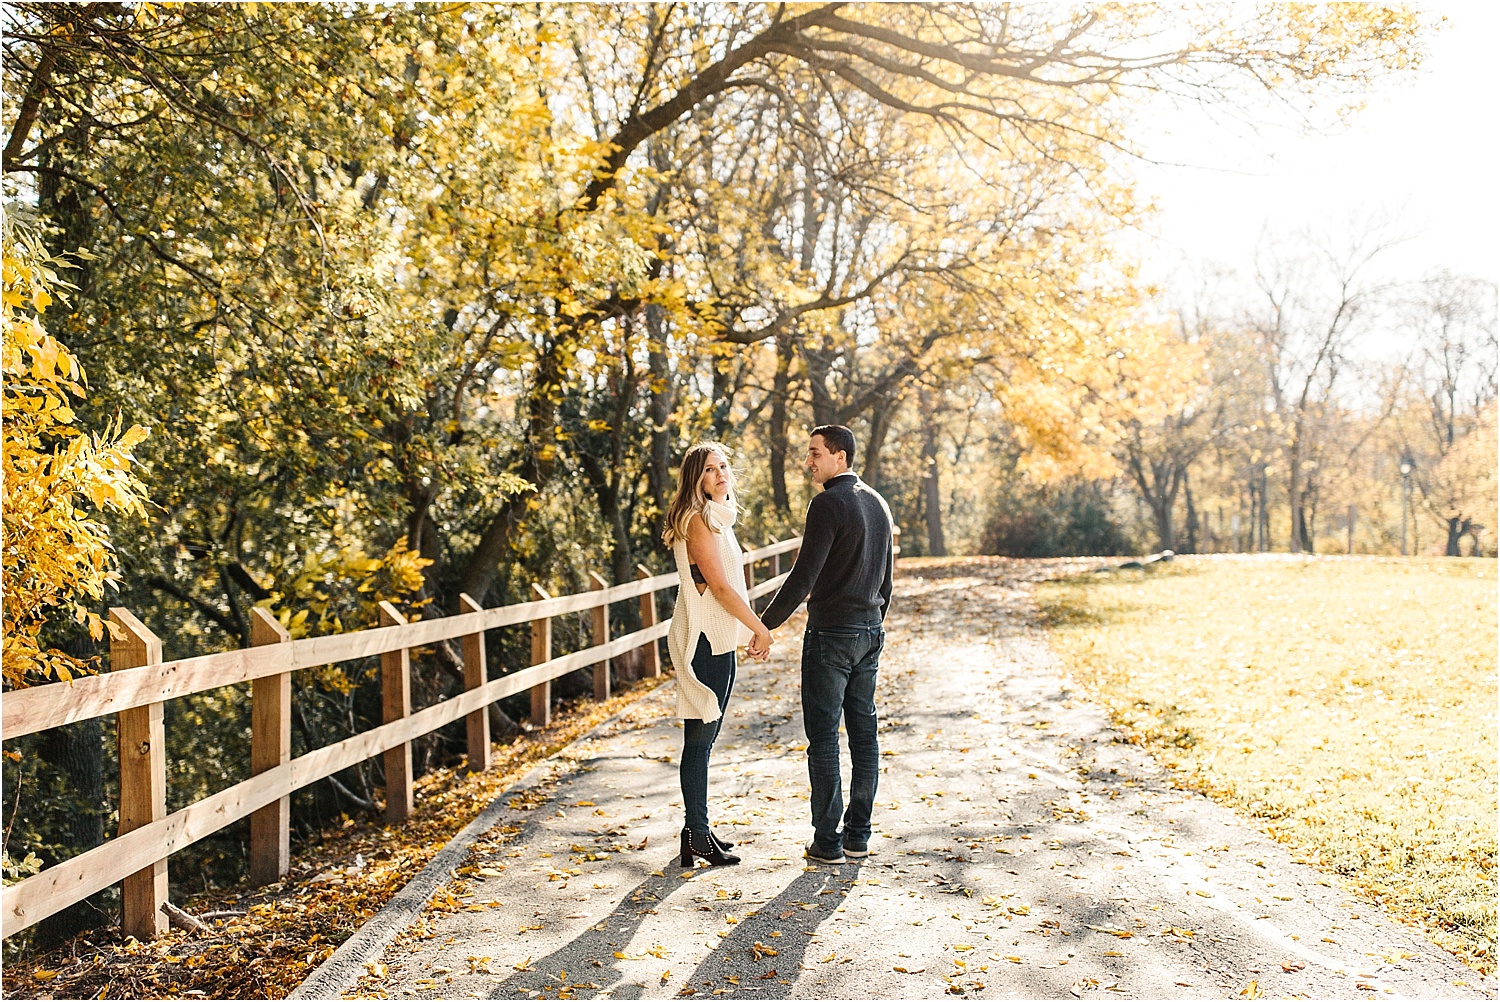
column 574, row 960
column 599, row 942
column 774, row 977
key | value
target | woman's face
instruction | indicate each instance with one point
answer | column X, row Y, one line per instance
column 715, row 481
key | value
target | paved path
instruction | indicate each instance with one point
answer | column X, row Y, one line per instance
column 1021, row 851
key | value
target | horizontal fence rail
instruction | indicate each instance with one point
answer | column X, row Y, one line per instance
column 148, row 835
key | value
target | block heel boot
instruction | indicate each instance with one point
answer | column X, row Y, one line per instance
column 711, row 852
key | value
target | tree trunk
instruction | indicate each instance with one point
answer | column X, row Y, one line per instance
column 1158, row 490
column 723, row 401
column 932, row 494
column 1192, row 515
column 77, row 750
column 536, row 466
column 622, row 566
column 1265, row 511
column 819, row 365
column 659, row 410
column 882, row 412
column 1294, row 491
column 1161, row 510
column 1309, row 519
column 1457, row 528
column 779, row 444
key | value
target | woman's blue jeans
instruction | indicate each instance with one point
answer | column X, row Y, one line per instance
column 839, row 668
column 717, row 672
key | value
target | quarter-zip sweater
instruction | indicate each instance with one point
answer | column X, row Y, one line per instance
column 846, row 562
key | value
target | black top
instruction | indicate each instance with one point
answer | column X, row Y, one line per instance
column 845, row 563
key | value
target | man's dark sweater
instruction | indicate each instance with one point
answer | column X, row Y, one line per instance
column 845, row 563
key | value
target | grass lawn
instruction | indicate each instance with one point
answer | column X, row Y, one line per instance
column 1347, row 704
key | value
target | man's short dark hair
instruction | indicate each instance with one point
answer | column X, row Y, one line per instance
column 837, row 438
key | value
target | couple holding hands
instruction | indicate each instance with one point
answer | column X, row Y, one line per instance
column 844, row 571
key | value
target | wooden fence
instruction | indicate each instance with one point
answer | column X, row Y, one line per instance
column 140, row 683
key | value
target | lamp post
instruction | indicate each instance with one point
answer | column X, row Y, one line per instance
column 1407, row 465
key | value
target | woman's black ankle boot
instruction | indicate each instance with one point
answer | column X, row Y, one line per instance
column 724, row 846
column 694, row 847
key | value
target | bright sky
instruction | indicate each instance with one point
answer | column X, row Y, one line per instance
column 1421, row 150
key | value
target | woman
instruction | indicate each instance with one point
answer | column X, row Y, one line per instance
column 712, row 618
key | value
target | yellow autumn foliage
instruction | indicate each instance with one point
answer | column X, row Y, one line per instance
column 57, row 478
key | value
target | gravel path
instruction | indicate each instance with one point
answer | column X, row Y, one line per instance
column 1021, row 851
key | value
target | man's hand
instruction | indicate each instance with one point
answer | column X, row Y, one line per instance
column 760, row 645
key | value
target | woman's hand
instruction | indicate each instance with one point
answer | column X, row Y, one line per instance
column 760, row 644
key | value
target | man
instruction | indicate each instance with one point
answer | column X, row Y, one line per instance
column 844, row 571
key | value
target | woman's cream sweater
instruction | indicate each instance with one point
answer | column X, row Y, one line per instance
column 697, row 615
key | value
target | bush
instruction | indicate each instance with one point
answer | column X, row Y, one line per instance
column 1068, row 520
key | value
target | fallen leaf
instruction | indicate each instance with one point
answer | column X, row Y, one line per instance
column 1117, row 933
column 1252, row 990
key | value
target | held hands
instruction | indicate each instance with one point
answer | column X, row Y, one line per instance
column 760, row 645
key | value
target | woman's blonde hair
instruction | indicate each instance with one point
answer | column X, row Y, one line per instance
column 691, row 497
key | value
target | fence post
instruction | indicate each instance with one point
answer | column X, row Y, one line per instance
column 895, row 540
column 601, row 636
column 776, row 565
column 477, row 722
column 270, row 746
column 395, row 700
column 143, row 777
column 648, row 618
column 749, row 568
column 541, row 651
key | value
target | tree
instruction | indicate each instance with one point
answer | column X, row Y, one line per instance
column 1456, row 371
column 1169, row 416
column 59, row 480
column 1461, row 490
column 421, row 300
column 1316, row 302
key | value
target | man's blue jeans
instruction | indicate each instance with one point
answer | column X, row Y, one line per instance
column 838, row 681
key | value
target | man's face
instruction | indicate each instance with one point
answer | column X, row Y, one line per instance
column 822, row 463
